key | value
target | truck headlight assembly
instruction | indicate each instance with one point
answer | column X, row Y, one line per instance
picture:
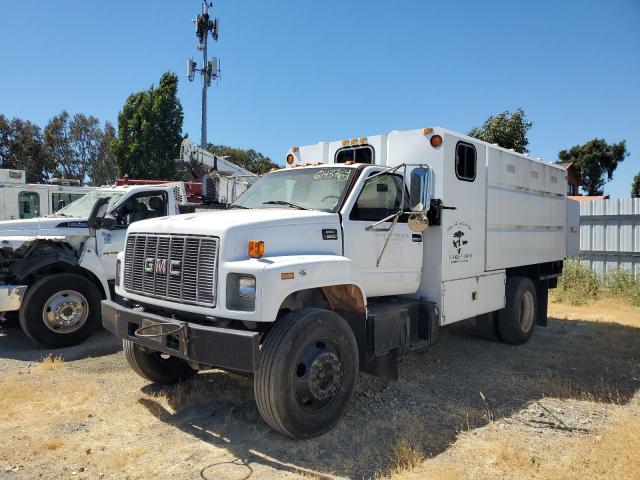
column 241, row 292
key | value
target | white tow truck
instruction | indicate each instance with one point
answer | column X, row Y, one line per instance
column 356, row 253
column 54, row 270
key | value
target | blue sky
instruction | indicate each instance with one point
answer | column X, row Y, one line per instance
column 296, row 72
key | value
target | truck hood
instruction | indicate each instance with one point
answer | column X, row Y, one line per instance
column 285, row 231
column 40, row 226
column 218, row 223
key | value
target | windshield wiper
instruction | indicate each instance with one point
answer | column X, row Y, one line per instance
column 238, row 206
column 282, row 202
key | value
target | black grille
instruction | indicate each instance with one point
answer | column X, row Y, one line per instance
column 173, row 267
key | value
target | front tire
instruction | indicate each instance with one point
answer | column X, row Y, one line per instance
column 518, row 319
column 154, row 366
column 307, row 374
column 60, row 310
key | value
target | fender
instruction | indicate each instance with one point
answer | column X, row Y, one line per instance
column 304, row 272
column 90, row 261
column 22, row 269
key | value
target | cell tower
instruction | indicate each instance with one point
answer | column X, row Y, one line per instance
column 210, row 69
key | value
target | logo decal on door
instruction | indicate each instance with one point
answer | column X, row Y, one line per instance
column 460, row 236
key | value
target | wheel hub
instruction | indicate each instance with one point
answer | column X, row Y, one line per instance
column 65, row 311
column 318, row 375
column 326, row 376
column 526, row 312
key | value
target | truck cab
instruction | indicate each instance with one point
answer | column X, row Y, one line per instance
column 353, row 255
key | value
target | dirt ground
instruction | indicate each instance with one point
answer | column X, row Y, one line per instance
column 566, row 405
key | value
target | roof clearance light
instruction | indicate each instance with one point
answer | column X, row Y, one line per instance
column 427, row 131
column 345, row 143
column 256, row 248
column 295, row 149
column 436, row 141
column 354, row 141
column 289, row 159
column 363, row 140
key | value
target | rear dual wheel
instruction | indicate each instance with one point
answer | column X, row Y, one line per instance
column 516, row 322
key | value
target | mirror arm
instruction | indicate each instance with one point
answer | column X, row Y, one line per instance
column 386, row 241
column 384, row 220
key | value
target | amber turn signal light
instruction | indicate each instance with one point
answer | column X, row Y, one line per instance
column 256, row 248
column 436, row 141
column 289, row 159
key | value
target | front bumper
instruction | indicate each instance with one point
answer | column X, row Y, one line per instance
column 213, row 346
column 11, row 297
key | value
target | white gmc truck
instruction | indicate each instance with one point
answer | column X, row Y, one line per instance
column 356, row 253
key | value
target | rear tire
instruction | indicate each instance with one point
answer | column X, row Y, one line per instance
column 61, row 310
column 307, row 374
column 487, row 327
column 518, row 319
column 154, row 367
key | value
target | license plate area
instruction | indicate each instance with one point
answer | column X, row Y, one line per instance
column 172, row 335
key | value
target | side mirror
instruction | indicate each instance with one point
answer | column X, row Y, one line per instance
column 420, row 190
column 108, row 222
column 97, row 212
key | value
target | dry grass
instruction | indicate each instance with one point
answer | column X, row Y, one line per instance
column 406, row 456
column 50, row 363
column 603, row 310
column 612, row 453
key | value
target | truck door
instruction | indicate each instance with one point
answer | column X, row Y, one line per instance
column 141, row 206
column 397, row 270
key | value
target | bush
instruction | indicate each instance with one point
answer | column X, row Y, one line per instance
column 577, row 285
column 624, row 286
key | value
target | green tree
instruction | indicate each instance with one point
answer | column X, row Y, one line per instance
column 104, row 169
column 253, row 161
column 5, row 141
column 22, row 147
column 509, row 130
column 596, row 161
column 73, row 143
column 149, row 131
column 635, row 186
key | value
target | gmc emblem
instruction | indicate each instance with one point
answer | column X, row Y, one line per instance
column 159, row 266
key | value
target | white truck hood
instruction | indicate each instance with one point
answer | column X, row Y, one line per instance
column 217, row 223
column 285, row 231
column 40, row 226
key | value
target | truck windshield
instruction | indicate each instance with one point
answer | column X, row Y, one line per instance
column 305, row 188
column 81, row 208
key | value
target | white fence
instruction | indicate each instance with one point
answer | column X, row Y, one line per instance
column 610, row 235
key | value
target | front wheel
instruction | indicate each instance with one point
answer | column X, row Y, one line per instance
column 60, row 310
column 308, row 370
column 155, row 366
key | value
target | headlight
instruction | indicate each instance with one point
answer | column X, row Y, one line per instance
column 247, row 287
column 118, row 267
column 241, row 292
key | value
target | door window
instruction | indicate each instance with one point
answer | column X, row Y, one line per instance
column 380, row 197
column 142, row 206
column 29, row 204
